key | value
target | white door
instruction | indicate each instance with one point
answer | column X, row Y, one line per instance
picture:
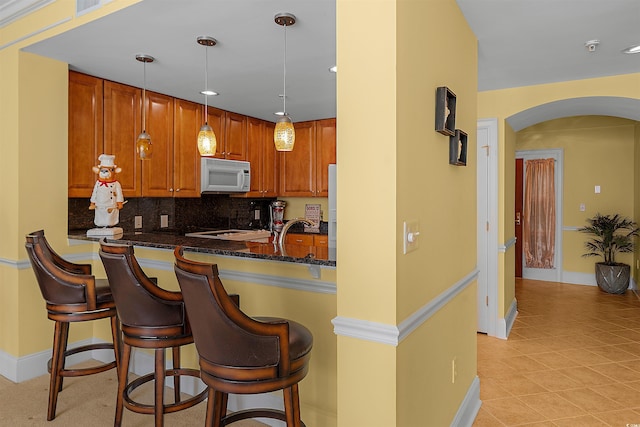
column 487, row 229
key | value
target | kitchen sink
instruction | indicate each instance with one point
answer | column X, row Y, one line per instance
column 238, row 235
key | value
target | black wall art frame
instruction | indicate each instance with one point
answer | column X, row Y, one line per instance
column 445, row 111
column 458, row 148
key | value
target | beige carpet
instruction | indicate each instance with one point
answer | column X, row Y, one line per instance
column 85, row 401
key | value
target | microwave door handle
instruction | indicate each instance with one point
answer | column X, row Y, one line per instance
column 241, row 179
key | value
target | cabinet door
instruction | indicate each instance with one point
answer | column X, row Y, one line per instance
column 157, row 172
column 299, row 239
column 261, row 153
column 121, row 128
column 216, row 118
column 186, row 163
column 325, row 154
column 269, row 163
column 297, row 167
column 255, row 142
column 320, row 240
column 85, row 132
column 235, row 136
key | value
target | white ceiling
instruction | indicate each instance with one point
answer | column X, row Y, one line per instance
column 520, row 43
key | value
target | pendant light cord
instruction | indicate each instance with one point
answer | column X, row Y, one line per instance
column 206, row 83
column 284, row 82
column 144, row 96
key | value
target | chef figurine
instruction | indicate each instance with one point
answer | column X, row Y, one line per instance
column 107, row 199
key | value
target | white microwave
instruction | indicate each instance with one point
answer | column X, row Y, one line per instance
column 224, row 176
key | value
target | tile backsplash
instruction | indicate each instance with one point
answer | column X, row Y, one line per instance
column 185, row 214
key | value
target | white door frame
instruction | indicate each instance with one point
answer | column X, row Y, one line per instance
column 487, row 226
column 551, row 274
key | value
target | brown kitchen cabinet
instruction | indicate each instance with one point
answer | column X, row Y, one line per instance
column 122, row 124
column 187, row 121
column 233, row 145
column 325, row 154
column 85, row 132
column 307, row 239
column 304, row 171
column 261, row 153
column 157, row 172
column 299, row 239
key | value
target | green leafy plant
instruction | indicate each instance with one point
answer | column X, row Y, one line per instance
column 611, row 234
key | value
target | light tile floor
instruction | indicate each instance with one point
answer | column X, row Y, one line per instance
column 572, row 359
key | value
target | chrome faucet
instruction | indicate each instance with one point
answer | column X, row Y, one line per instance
column 288, row 225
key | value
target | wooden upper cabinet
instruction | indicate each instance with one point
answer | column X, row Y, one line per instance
column 325, row 154
column 216, row 118
column 85, row 132
column 122, row 125
column 186, row 163
column 157, row 179
column 261, row 154
column 235, row 140
column 269, row 163
column 304, row 172
column 298, row 167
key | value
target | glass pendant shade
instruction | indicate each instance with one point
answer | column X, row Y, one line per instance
column 144, row 149
column 284, row 135
column 143, row 146
column 207, row 141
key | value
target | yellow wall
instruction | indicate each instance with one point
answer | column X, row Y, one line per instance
column 598, row 150
column 504, row 103
column 403, row 175
column 635, row 266
column 393, row 162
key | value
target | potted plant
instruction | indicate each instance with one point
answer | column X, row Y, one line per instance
column 610, row 234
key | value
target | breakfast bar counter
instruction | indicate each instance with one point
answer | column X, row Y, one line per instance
column 300, row 254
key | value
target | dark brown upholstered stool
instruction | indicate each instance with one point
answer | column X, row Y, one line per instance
column 152, row 318
column 240, row 354
column 72, row 294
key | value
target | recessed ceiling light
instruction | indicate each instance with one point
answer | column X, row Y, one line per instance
column 333, row 69
column 209, row 93
column 632, row 49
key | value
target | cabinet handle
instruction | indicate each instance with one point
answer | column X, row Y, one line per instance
column 171, row 190
column 177, row 190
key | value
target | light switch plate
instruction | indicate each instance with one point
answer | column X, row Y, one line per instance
column 411, row 236
column 164, row 221
column 137, row 221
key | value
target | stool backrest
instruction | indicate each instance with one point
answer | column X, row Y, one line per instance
column 224, row 336
column 139, row 301
column 60, row 281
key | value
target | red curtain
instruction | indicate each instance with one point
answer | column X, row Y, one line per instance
column 539, row 222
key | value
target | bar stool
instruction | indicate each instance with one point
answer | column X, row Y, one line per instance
column 151, row 318
column 72, row 294
column 240, row 354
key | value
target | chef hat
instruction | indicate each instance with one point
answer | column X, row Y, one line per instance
column 107, row 160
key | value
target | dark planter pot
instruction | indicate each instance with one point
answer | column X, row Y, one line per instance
column 613, row 279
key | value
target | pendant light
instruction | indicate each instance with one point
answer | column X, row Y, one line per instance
column 206, row 137
column 284, row 135
column 143, row 144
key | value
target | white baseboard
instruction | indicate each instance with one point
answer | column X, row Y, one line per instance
column 503, row 327
column 470, row 406
column 19, row 369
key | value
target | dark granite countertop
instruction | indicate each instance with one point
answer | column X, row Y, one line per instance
column 300, row 254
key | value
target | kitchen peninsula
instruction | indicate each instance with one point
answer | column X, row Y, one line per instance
column 300, row 254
